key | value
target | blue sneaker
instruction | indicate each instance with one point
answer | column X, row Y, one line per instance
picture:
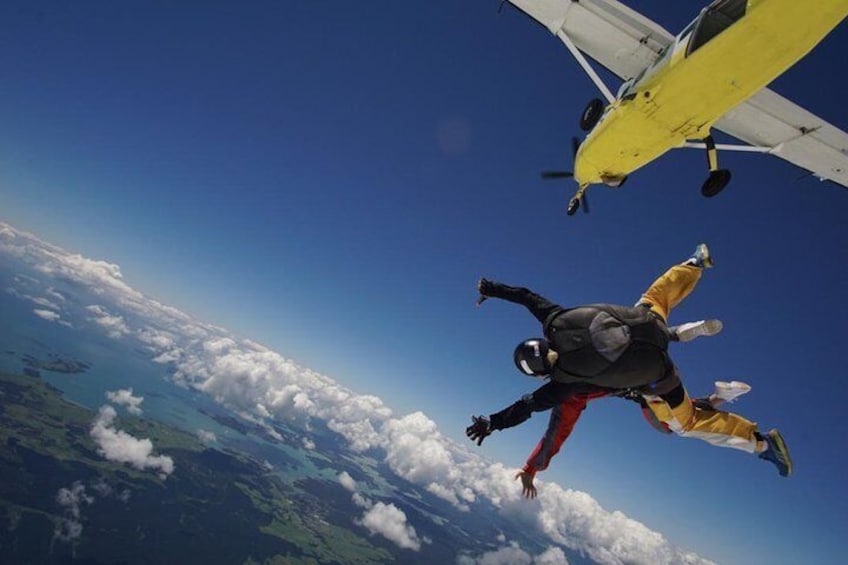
column 777, row 452
column 701, row 257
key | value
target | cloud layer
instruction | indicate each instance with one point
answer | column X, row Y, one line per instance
column 264, row 386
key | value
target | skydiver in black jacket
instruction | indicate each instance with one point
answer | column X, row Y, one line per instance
column 601, row 350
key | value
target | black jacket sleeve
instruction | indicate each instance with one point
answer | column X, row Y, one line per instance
column 544, row 398
column 539, row 306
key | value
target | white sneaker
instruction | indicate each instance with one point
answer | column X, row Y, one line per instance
column 729, row 392
column 691, row 330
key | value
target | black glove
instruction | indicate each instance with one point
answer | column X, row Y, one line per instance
column 479, row 430
column 631, row 394
column 703, row 404
column 485, row 287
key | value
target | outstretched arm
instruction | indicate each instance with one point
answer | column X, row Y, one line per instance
column 544, row 398
column 539, row 306
column 567, row 402
column 563, row 418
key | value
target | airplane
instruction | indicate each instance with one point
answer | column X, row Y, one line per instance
column 677, row 89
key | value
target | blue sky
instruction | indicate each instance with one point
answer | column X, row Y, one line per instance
column 331, row 179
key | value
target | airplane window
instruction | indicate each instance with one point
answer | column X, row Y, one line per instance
column 629, row 86
column 688, row 28
column 719, row 16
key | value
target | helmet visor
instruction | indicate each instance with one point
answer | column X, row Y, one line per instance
column 531, row 358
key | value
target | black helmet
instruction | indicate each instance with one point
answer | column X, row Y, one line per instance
column 531, row 357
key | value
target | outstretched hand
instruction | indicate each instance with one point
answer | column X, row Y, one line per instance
column 479, row 429
column 484, row 287
column 528, row 489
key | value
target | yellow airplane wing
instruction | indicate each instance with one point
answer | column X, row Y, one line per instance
column 770, row 121
column 620, row 39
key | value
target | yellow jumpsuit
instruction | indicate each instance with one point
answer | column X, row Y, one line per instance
column 719, row 428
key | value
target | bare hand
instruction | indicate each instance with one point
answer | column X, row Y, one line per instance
column 528, row 489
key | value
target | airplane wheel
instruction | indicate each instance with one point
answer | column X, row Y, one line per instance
column 573, row 205
column 592, row 114
column 715, row 183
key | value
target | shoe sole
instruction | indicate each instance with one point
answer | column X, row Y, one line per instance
column 704, row 328
column 733, row 389
column 783, row 450
column 737, row 387
column 711, row 327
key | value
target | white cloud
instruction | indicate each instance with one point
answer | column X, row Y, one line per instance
column 105, row 490
column 361, row 501
column 389, row 521
column 48, row 315
column 609, row 537
column 115, row 325
column 551, row 556
column 347, row 481
column 219, row 345
column 168, row 357
column 71, row 500
column 55, row 294
column 206, row 436
column 382, row 519
column 158, row 340
column 508, row 555
column 254, row 380
column 307, row 443
column 124, row 397
column 118, row 445
column 38, row 300
column 512, row 554
column 41, row 301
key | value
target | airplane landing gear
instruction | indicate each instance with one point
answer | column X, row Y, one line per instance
column 575, row 201
column 715, row 183
column 592, row 114
column 718, row 178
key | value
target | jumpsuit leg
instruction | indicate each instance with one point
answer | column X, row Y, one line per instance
column 670, row 289
column 723, row 429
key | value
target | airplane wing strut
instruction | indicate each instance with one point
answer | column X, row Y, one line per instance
column 586, row 66
column 730, row 147
column 767, row 119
